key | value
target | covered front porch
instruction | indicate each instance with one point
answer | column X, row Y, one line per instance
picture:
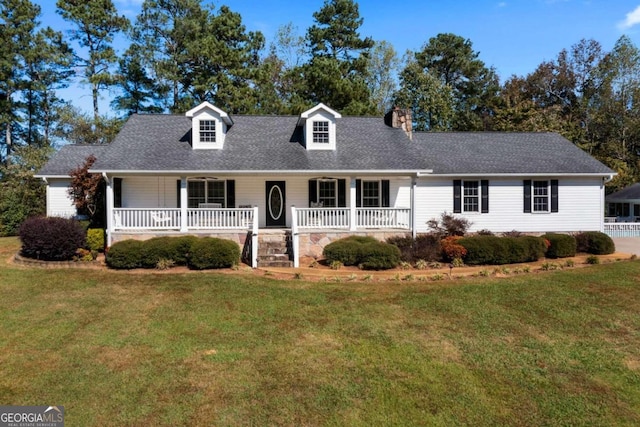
column 147, row 206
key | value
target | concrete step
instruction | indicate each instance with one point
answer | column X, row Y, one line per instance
column 267, row 264
column 273, row 257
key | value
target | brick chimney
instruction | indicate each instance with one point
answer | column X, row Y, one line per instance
column 400, row 118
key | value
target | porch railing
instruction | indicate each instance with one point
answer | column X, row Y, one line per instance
column 622, row 229
column 220, row 218
column 170, row 219
column 322, row 217
column 383, row 218
column 318, row 218
column 147, row 219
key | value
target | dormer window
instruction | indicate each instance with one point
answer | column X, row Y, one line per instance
column 321, row 132
column 209, row 126
column 207, row 131
column 319, row 127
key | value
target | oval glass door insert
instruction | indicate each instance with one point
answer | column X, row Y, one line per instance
column 275, row 202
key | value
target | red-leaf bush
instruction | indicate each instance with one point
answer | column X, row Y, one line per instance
column 51, row 239
column 452, row 249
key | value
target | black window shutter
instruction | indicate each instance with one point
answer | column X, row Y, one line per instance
column 231, row 193
column 117, row 192
column 526, row 184
column 625, row 209
column 313, row 191
column 457, row 196
column 358, row 193
column 386, row 202
column 554, row 195
column 342, row 193
column 484, row 184
column 178, row 189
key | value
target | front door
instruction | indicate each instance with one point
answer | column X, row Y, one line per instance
column 276, row 206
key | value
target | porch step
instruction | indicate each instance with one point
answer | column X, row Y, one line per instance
column 273, row 249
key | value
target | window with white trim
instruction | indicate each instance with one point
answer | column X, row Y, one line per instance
column 370, row 194
column 540, row 194
column 321, row 132
column 328, row 193
column 207, row 131
column 206, row 191
column 471, row 196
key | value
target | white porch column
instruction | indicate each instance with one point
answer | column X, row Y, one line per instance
column 352, row 205
column 414, row 232
column 295, row 237
column 254, row 239
column 184, row 202
column 109, row 201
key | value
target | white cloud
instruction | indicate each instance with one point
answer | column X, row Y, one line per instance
column 632, row 18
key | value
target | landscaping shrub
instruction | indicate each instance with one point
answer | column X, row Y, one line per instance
column 211, row 252
column 379, row 256
column 452, row 249
column 125, row 255
column 363, row 251
column 449, row 225
column 493, row 250
column 155, row 249
column 425, row 247
column 347, row 250
column 561, row 245
column 51, row 239
column 95, row 239
column 594, row 242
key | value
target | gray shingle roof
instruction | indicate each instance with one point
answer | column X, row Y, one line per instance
column 505, row 153
column 69, row 157
column 628, row 193
column 274, row 143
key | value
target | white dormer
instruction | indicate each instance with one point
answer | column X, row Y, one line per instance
column 319, row 124
column 209, row 126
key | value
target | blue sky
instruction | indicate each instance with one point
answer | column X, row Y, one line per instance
column 514, row 36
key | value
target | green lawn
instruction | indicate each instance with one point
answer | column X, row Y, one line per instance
column 119, row 348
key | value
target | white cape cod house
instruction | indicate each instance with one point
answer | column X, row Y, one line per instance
column 320, row 176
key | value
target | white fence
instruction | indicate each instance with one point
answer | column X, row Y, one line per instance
column 622, row 229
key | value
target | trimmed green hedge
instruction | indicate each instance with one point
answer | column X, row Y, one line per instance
column 493, row 250
column 595, row 242
column 209, row 252
column 125, row 255
column 363, row 251
column 562, row 245
column 197, row 253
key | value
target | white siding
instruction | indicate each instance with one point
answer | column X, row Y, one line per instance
column 59, row 202
column 579, row 205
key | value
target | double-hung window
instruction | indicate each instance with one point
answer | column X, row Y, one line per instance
column 540, row 196
column 206, row 191
column 207, row 131
column 321, row 132
column 327, row 193
column 471, row 196
column 370, row 194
